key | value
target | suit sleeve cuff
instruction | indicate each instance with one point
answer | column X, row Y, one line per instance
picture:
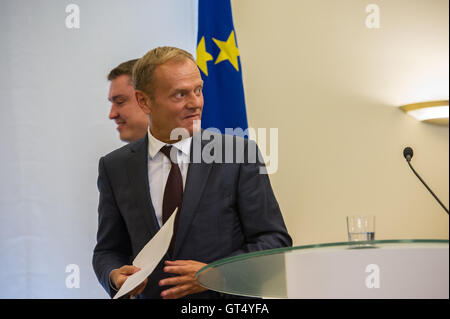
column 111, row 285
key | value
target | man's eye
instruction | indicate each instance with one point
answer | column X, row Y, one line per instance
column 179, row 95
column 198, row 90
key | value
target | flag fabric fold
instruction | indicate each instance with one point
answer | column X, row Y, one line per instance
column 219, row 62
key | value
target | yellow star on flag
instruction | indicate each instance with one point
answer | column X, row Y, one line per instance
column 228, row 51
column 202, row 56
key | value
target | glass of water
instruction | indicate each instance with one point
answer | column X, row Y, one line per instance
column 361, row 228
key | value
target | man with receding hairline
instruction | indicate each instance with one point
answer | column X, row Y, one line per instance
column 224, row 209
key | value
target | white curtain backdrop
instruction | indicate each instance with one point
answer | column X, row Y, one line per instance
column 55, row 127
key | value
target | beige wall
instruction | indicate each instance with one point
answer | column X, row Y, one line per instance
column 331, row 85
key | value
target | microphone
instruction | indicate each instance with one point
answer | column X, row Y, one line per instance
column 408, row 154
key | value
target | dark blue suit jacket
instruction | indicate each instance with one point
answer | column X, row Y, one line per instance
column 228, row 209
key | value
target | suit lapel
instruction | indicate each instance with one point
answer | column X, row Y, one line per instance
column 196, row 179
column 137, row 167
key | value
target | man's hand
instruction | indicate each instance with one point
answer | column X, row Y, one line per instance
column 185, row 284
column 118, row 277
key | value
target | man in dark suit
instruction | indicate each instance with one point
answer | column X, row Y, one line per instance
column 225, row 207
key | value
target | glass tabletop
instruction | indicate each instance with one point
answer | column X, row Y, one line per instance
column 263, row 273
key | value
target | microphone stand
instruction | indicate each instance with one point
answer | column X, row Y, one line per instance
column 414, row 171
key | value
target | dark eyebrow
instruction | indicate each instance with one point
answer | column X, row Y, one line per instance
column 184, row 90
column 115, row 97
column 181, row 90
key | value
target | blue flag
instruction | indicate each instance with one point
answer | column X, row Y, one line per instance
column 220, row 67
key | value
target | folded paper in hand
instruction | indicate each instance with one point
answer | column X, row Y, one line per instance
column 149, row 257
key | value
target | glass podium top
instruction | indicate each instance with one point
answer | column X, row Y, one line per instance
column 264, row 274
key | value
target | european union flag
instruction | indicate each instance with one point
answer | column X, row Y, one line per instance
column 218, row 60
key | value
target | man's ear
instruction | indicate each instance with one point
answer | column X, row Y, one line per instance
column 143, row 101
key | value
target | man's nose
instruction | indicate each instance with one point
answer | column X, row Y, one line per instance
column 113, row 113
column 195, row 101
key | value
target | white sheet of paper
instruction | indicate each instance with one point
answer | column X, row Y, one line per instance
column 149, row 257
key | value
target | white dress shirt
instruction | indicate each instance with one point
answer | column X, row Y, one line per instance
column 159, row 167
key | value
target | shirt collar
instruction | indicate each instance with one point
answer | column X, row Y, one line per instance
column 155, row 145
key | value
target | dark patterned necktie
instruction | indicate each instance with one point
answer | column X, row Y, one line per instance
column 173, row 193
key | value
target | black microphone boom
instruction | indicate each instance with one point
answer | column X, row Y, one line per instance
column 408, row 154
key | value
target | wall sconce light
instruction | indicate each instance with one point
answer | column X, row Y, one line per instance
column 435, row 112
